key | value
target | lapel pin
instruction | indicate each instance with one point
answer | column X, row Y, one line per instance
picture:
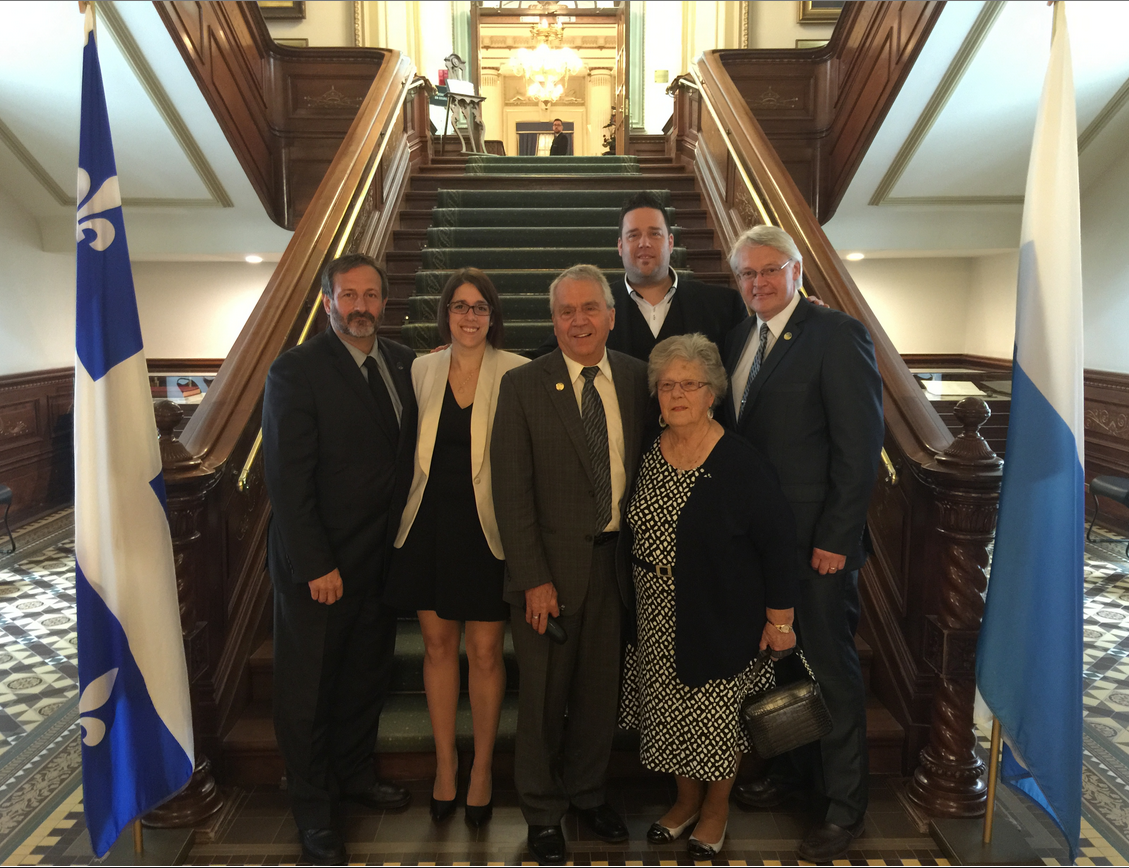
column 787, row 336
column 560, row 387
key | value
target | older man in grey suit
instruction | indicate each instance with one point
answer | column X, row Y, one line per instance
column 567, row 435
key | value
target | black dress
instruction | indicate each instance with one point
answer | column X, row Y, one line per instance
column 445, row 564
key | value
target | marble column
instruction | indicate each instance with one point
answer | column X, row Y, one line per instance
column 601, row 85
column 491, row 88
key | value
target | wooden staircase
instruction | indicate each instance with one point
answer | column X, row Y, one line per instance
column 405, row 747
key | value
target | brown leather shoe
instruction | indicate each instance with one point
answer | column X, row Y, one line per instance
column 827, row 842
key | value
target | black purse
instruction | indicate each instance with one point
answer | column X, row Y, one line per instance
column 785, row 717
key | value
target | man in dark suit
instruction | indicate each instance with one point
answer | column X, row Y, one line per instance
column 560, row 147
column 652, row 301
column 339, row 428
column 805, row 390
column 567, row 438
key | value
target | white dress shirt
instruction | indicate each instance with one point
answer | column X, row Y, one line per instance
column 605, row 387
column 745, row 363
column 654, row 314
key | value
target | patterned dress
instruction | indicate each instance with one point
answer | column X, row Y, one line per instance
column 690, row 731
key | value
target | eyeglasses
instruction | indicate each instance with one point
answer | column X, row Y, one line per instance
column 459, row 308
column 685, row 385
column 750, row 274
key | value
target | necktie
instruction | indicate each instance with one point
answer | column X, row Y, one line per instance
column 384, row 409
column 758, row 360
column 596, row 433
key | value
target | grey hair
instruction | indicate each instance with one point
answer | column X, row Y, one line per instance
column 692, row 348
column 582, row 272
column 765, row 236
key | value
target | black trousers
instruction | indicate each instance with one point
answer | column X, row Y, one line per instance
column 836, row 767
column 567, row 701
column 332, row 668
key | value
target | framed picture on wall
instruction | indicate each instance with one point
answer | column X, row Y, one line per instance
column 820, row 11
column 283, row 8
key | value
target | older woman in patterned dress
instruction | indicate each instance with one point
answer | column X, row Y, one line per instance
column 712, row 544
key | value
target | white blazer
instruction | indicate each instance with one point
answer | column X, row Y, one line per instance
column 429, row 379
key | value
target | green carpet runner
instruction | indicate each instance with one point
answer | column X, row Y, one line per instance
column 523, row 239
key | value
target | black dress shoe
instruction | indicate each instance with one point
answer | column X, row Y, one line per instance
column 827, row 842
column 479, row 815
column 322, row 847
column 547, row 845
column 381, row 796
column 762, row 793
column 441, row 809
column 604, row 823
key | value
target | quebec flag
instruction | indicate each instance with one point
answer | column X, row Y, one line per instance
column 1029, row 657
column 134, row 707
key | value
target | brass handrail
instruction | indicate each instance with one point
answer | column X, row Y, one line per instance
column 342, row 241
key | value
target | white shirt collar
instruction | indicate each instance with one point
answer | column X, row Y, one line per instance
column 575, row 368
column 669, row 293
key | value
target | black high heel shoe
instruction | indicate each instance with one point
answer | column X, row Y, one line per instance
column 442, row 809
column 479, row 815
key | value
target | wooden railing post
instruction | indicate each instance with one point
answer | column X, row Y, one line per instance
column 185, row 492
column 948, row 782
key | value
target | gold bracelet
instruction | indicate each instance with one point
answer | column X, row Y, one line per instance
column 783, row 628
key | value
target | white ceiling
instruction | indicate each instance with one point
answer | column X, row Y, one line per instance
column 948, row 167
column 185, row 194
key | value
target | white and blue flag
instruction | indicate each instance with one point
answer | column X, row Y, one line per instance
column 134, row 707
column 1029, row 657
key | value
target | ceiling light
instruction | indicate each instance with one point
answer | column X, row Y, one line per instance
column 547, row 67
column 855, row 257
column 254, row 260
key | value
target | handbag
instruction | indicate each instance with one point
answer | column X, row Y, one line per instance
column 785, row 717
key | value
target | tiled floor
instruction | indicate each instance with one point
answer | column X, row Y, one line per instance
column 41, row 818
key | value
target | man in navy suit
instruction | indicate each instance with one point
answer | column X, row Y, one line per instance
column 805, row 390
column 339, row 429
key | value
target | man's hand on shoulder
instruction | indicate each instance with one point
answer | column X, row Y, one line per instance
column 827, row 562
column 540, row 602
column 328, row 589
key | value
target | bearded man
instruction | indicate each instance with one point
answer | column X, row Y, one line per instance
column 339, row 429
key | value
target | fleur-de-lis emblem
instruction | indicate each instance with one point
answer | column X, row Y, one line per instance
column 108, row 197
column 95, row 695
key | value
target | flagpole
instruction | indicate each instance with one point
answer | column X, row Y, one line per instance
column 138, row 841
column 993, row 773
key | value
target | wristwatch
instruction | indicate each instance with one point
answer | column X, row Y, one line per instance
column 783, row 628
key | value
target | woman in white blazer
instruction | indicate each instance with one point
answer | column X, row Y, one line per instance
column 448, row 565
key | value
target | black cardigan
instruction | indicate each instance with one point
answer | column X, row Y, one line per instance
column 736, row 555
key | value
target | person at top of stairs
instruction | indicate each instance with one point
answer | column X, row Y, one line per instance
column 448, row 563
column 653, row 302
column 560, row 147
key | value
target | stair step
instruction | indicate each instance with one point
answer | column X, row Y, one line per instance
column 552, row 167
column 531, row 235
column 515, row 257
column 518, row 281
column 559, row 218
column 569, row 183
column 425, row 200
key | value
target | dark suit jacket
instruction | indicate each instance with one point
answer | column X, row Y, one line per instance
column 337, row 481
column 696, row 307
column 815, row 412
column 544, row 496
column 736, row 545
column 560, row 146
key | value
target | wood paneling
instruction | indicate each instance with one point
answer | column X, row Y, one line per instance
column 821, row 107
column 36, row 426
column 284, row 111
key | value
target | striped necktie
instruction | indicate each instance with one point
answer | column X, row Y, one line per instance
column 758, row 360
column 596, row 433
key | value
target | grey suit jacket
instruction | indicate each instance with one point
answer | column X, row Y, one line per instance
column 544, row 497
column 815, row 412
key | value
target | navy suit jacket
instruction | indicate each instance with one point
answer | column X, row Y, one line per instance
column 815, row 412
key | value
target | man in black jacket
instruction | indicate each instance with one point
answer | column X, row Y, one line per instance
column 652, row 302
column 559, row 147
column 805, row 390
column 339, row 429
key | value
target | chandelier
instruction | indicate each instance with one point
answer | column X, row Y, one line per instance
column 547, row 67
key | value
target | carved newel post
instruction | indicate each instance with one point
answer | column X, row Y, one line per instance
column 185, row 491
column 966, row 478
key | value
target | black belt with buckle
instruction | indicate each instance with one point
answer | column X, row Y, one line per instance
column 606, row 537
column 663, row 570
